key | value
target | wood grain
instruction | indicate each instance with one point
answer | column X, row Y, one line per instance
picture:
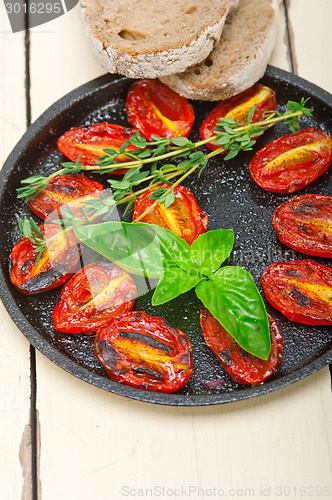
column 95, row 444
column 311, row 39
column 15, row 470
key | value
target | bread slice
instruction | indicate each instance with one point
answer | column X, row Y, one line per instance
column 152, row 38
column 240, row 58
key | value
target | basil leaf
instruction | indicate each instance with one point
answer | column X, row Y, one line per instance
column 210, row 250
column 233, row 299
column 137, row 247
column 174, row 282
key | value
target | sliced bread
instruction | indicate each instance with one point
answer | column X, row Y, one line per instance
column 240, row 58
column 152, row 38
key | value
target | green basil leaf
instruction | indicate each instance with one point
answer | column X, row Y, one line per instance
column 174, row 282
column 211, row 249
column 138, row 247
column 233, row 299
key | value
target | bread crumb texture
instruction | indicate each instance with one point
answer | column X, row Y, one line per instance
column 128, row 36
column 238, row 60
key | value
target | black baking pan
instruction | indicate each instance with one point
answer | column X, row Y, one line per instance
column 225, row 191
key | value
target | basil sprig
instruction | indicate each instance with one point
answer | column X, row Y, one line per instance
column 138, row 248
column 229, row 293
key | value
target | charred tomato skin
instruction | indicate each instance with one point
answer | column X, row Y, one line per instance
column 184, row 216
column 290, row 163
column 57, row 263
column 145, row 352
column 239, row 364
column 304, row 223
column 156, row 110
column 301, row 290
column 64, row 189
column 237, row 107
column 89, row 142
column 92, row 297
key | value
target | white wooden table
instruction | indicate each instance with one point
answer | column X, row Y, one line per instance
column 64, row 439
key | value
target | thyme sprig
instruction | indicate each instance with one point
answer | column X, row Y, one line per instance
column 30, row 230
column 230, row 137
column 292, row 122
column 34, row 185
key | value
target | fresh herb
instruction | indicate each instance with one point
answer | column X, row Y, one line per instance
column 154, row 252
column 230, row 136
column 232, row 298
column 30, row 230
column 229, row 293
column 293, row 107
column 32, row 186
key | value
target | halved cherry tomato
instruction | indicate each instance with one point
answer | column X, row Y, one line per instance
column 238, row 363
column 301, row 290
column 145, row 352
column 304, row 223
column 293, row 161
column 237, row 107
column 90, row 142
column 62, row 189
column 183, row 217
column 92, row 297
column 56, row 265
column 156, row 110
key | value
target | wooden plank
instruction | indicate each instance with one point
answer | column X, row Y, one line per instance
column 15, row 470
column 66, row 61
column 311, row 39
column 94, row 443
column 280, row 56
column 100, row 443
column 309, row 28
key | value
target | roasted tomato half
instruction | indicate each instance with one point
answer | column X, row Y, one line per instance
column 183, row 217
column 72, row 189
column 145, row 352
column 237, row 107
column 90, row 142
column 304, row 223
column 92, row 297
column 56, row 265
column 301, row 290
column 292, row 162
column 156, row 110
column 238, row 363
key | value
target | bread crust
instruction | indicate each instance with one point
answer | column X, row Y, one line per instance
column 241, row 76
column 151, row 63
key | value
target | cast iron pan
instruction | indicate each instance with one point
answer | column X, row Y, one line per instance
column 225, row 192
